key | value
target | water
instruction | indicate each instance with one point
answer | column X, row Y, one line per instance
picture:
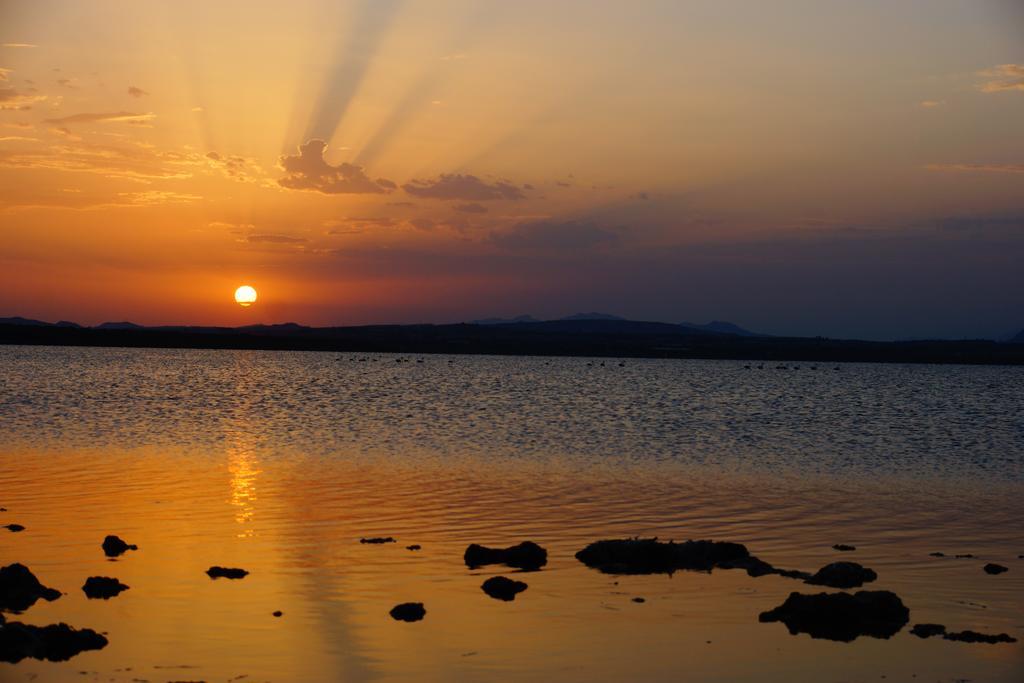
column 280, row 462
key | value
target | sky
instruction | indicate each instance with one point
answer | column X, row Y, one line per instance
column 806, row 167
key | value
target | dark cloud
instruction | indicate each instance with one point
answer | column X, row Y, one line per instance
column 471, row 207
column 422, row 223
column 453, row 186
column 13, row 100
column 550, row 236
column 136, row 92
column 308, row 171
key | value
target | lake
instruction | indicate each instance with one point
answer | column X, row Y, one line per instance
column 279, row 462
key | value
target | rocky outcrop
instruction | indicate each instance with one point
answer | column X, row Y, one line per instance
column 408, row 611
column 54, row 643
column 841, row 616
column 20, row 589
column 503, row 588
column 526, row 555
column 843, row 575
column 102, row 587
column 115, row 547
column 226, row 573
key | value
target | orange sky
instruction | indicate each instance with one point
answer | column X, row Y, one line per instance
column 826, row 167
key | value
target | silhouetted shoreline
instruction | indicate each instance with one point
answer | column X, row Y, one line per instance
column 594, row 338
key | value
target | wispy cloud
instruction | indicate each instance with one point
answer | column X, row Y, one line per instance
column 1002, row 78
column 17, row 45
column 105, row 117
column 275, row 239
column 15, row 100
column 136, row 92
column 976, row 168
column 930, row 104
column 454, row 186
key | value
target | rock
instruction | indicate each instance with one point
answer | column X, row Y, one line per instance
column 992, row 568
column 408, row 611
column 937, row 554
column 414, row 546
column 928, row 630
column 377, row 540
column 114, row 546
column 14, row 527
column 975, row 637
column 278, row 613
column 843, row 548
column 102, row 587
column 965, row 556
column 20, row 589
column 526, row 555
column 55, row 643
column 841, row 616
column 639, row 600
column 226, row 572
column 843, row 575
column 651, row 556
column 502, row 588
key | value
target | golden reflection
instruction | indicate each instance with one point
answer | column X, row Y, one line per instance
column 244, row 469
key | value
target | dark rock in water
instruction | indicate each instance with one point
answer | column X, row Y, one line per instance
column 414, row 546
column 843, row 548
column 639, row 600
column 377, row 540
column 992, row 568
column 14, row 527
column 502, row 588
column 651, row 556
column 20, row 589
column 937, row 554
column 278, row 613
column 408, row 611
column 526, row 555
column 55, row 643
column 226, row 572
column 114, row 546
column 975, row 637
column 928, row 630
column 102, row 587
column 967, row 556
column 843, row 575
column 841, row 616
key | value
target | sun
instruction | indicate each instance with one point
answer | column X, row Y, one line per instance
column 245, row 296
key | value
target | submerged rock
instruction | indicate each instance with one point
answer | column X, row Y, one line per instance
column 928, row 630
column 278, row 613
column 377, row 540
column 414, row 546
column 55, row 643
column 843, row 548
column 841, row 616
column 14, row 527
column 975, row 637
column 502, row 588
column 226, row 572
column 992, row 568
column 937, row 554
column 102, row 587
column 114, row 546
column 843, row 575
column 408, row 611
column 965, row 556
column 639, row 600
column 526, row 555
column 20, row 589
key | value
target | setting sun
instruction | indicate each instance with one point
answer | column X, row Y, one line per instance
column 245, row 296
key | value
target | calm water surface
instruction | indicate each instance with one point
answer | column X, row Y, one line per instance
column 280, row 462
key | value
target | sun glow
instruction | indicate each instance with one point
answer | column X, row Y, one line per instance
column 245, row 296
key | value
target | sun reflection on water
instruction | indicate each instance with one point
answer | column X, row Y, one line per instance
column 244, row 469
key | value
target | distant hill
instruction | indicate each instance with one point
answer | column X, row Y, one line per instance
column 18, row 320
column 124, row 325
column 592, row 316
column 1019, row 339
column 505, row 321
column 722, row 327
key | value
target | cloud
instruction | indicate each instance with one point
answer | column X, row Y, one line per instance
column 235, row 167
column 550, row 236
column 453, row 186
column 18, row 45
column 1003, row 78
column 110, row 117
column 471, row 207
column 976, row 168
column 157, row 197
column 133, row 162
column 308, row 171
column 930, row 104
column 3, row 74
column 13, row 100
column 17, row 138
column 422, row 223
column 275, row 239
column 136, row 92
